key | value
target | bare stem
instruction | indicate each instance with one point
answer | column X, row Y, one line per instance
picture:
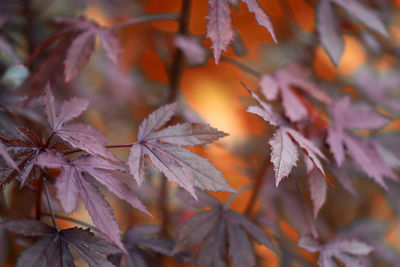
column 29, row 25
column 257, row 187
column 46, row 190
column 38, row 203
column 174, row 82
column 72, row 220
column 146, row 18
column 177, row 62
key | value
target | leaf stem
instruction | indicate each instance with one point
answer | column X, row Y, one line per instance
column 72, row 220
column 146, row 18
column 49, row 139
column 120, row 146
column 46, row 190
column 257, row 186
column 109, row 146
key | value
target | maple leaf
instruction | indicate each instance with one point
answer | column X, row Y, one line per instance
column 364, row 153
column 77, row 38
column 260, row 16
column 72, row 184
column 373, row 232
column 50, row 70
column 164, row 149
column 347, row 251
column 380, row 88
column 23, row 152
column 52, row 249
column 282, row 81
column 220, row 229
column 219, row 25
column 194, row 53
column 328, row 26
column 78, row 54
column 110, row 43
column 82, row 46
column 78, row 135
column 142, row 241
column 284, row 154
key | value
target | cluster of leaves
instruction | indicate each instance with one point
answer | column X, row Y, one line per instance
column 53, row 247
column 71, row 161
column 219, row 228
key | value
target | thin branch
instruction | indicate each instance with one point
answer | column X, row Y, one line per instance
column 174, row 82
column 146, row 18
column 46, row 190
column 257, row 186
column 29, row 25
column 72, row 220
column 38, row 203
column 109, row 146
column 241, row 65
column 178, row 59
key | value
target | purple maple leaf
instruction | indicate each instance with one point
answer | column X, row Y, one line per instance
column 72, row 183
column 260, row 16
column 283, row 81
column 52, row 249
column 328, row 24
column 219, row 26
column 79, row 54
column 380, row 88
column 347, row 251
column 216, row 227
column 78, row 135
column 23, row 152
column 345, row 118
column 82, row 45
column 164, row 149
column 194, row 52
column 284, row 154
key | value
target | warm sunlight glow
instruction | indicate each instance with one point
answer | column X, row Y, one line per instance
column 95, row 12
column 212, row 100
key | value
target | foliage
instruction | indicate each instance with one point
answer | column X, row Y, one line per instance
column 321, row 132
